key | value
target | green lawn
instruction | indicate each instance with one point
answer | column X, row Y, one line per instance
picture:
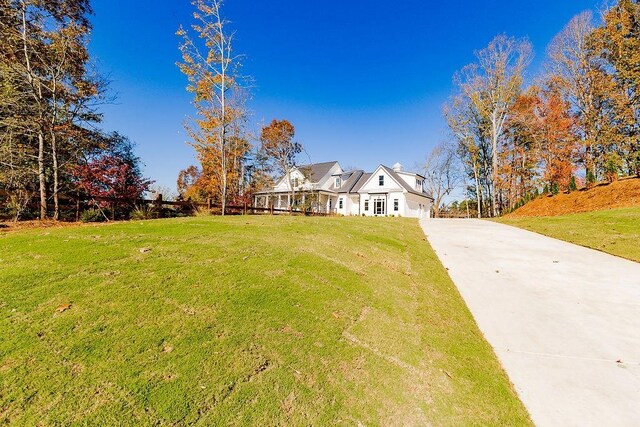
column 240, row 321
column 615, row 231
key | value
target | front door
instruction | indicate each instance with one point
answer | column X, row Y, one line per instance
column 379, row 207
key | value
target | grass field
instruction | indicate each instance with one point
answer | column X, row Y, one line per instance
column 240, row 321
column 616, row 231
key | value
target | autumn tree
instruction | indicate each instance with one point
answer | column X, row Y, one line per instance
column 212, row 68
column 617, row 41
column 49, row 88
column 596, row 102
column 112, row 172
column 519, row 152
column 492, row 85
column 278, row 147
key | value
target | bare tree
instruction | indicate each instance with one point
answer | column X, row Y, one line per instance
column 467, row 129
column 442, row 173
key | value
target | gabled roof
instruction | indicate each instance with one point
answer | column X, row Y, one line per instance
column 402, row 182
column 349, row 180
column 358, row 185
column 316, row 171
column 394, row 175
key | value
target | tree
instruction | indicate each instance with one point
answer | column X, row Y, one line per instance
column 492, row 85
column 279, row 148
column 596, row 102
column 557, row 143
column 441, row 174
column 44, row 70
column 188, row 184
column 617, row 41
column 213, row 74
column 112, row 173
column 469, row 130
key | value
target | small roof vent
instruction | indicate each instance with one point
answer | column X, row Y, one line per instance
column 397, row 167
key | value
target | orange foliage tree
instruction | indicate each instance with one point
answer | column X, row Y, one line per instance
column 217, row 133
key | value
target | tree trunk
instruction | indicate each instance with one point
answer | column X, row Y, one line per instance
column 54, row 155
column 41, row 177
column 494, row 174
column 478, row 198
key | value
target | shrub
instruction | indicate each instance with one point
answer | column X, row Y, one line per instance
column 144, row 212
column 93, row 215
column 573, row 186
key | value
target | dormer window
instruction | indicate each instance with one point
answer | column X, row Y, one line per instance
column 381, row 180
column 338, row 182
column 295, row 182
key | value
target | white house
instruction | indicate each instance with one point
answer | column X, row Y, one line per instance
column 325, row 187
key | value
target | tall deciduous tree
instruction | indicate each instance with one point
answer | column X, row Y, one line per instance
column 45, row 59
column 617, row 41
column 493, row 84
column 469, row 130
column 596, row 102
column 212, row 69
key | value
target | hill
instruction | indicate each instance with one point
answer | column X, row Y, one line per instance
column 619, row 194
column 240, row 321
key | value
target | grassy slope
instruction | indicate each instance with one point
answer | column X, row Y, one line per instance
column 615, row 231
column 244, row 320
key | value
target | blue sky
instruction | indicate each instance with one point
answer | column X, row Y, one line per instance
column 363, row 81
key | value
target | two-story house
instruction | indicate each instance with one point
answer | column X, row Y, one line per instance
column 326, row 187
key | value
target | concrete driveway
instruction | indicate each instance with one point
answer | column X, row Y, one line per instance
column 564, row 320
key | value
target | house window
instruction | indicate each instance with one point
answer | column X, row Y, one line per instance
column 338, row 182
column 295, row 182
column 378, row 207
column 396, row 204
column 381, row 180
column 366, row 205
column 340, row 203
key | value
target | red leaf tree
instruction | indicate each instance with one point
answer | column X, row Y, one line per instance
column 112, row 173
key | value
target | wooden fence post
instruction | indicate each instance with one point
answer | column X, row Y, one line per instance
column 158, row 204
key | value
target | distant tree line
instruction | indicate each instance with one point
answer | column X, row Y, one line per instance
column 578, row 124
column 50, row 144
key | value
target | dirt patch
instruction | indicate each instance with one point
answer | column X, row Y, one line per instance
column 620, row 194
column 25, row 225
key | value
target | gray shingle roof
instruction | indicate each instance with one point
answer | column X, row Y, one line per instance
column 349, row 180
column 358, row 185
column 315, row 172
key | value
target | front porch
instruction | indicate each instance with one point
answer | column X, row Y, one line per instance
column 312, row 201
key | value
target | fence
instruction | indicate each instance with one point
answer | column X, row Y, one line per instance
column 71, row 208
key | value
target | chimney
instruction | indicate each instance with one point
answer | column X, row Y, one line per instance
column 397, row 167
